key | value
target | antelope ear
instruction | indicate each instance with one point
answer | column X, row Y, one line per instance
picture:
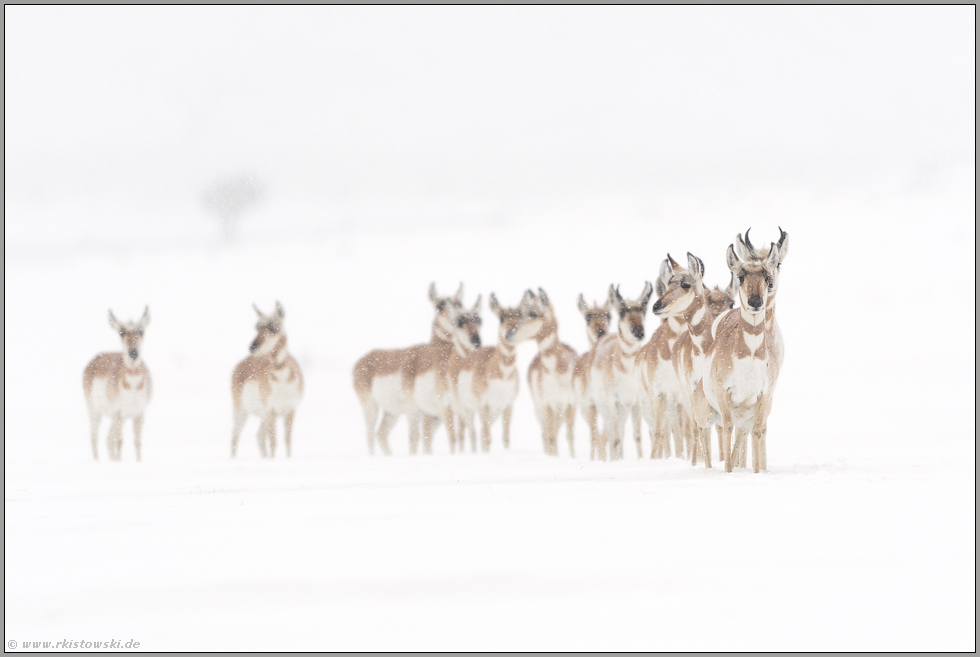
column 528, row 301
column 582, row 306
column 696, row 266
column 543, row 296
column 279, row 310
column 733, row 262
column 114, row 323
column 145, row 319
column 459, row 293
column 661, row 287
column 614, row 296
column 666, row 271
column 433, row 297
column 493, row 304
column 647, row 293
column 476, row 304
column 783, row 245
column 257, row 311
column 673, row 263
column 741, row 249
column 772, row 259
column 732, row 291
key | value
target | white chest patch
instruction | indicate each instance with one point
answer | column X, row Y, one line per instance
column 753, row 342
column 427, row 398
column 499, row 395
column 387, row 392
column 747, row 380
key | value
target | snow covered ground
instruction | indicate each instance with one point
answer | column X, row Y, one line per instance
column 861, row 536
column 506, row 148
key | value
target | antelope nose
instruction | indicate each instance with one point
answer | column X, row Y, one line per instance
column 252, row 347
column 637, row 332
column 658, row 305
column 134, row 354
column 755, row 302
column 475, row 339
column 599, row 333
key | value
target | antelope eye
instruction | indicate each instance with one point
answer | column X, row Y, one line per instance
column 741, row 278
column 122, row 334
column 140, row 332
column 273, row 329
column 686, row 285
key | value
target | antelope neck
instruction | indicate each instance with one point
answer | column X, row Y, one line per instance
column 549, row 340
column 279, row 353
column 627, row 347
column 507, row 351
column 440, row 333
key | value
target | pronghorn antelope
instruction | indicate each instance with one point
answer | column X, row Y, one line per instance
column 485, row 382
column 549, row 379
column 268, row 384
column 466, row 339
column 662, row 406
column 118, row 385
column 721, row 301
column 685, row 305
column 741, row 369
column 408, row 381
column 597, row 320
column 614, row 386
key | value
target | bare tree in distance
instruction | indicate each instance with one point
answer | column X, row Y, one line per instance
column 228, row 198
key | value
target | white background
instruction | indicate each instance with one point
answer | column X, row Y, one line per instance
column 507, row 148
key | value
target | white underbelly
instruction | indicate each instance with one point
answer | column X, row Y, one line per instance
column 427, row 398
column 468, row 404
column 499, row 395
column 388, row 393
column 623, row 391
column 747, row 381
column 283, row 398
column 130, row 402
column 553, row 390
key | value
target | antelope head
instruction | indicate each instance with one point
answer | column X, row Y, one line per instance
column 269, row 331
column 748, row 253
column 597, row 318
column 632, row 313
column 131, row 336
column 519, row 323
column 466, row 323
column 756, row 278
column 720, row 300
column 680, row 286
column 444, row 323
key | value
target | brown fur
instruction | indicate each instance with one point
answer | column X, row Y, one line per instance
column 613, row 384
column 551, row 372
column 270, row 369
column 409, row 363
column 486, row 366
column 597, row 320
column 754, row 322
column 128, row 387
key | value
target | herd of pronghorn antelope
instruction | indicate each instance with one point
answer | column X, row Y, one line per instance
column 708, row 364
column 267, row 383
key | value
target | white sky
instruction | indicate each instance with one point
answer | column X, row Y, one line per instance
column 480, row 102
